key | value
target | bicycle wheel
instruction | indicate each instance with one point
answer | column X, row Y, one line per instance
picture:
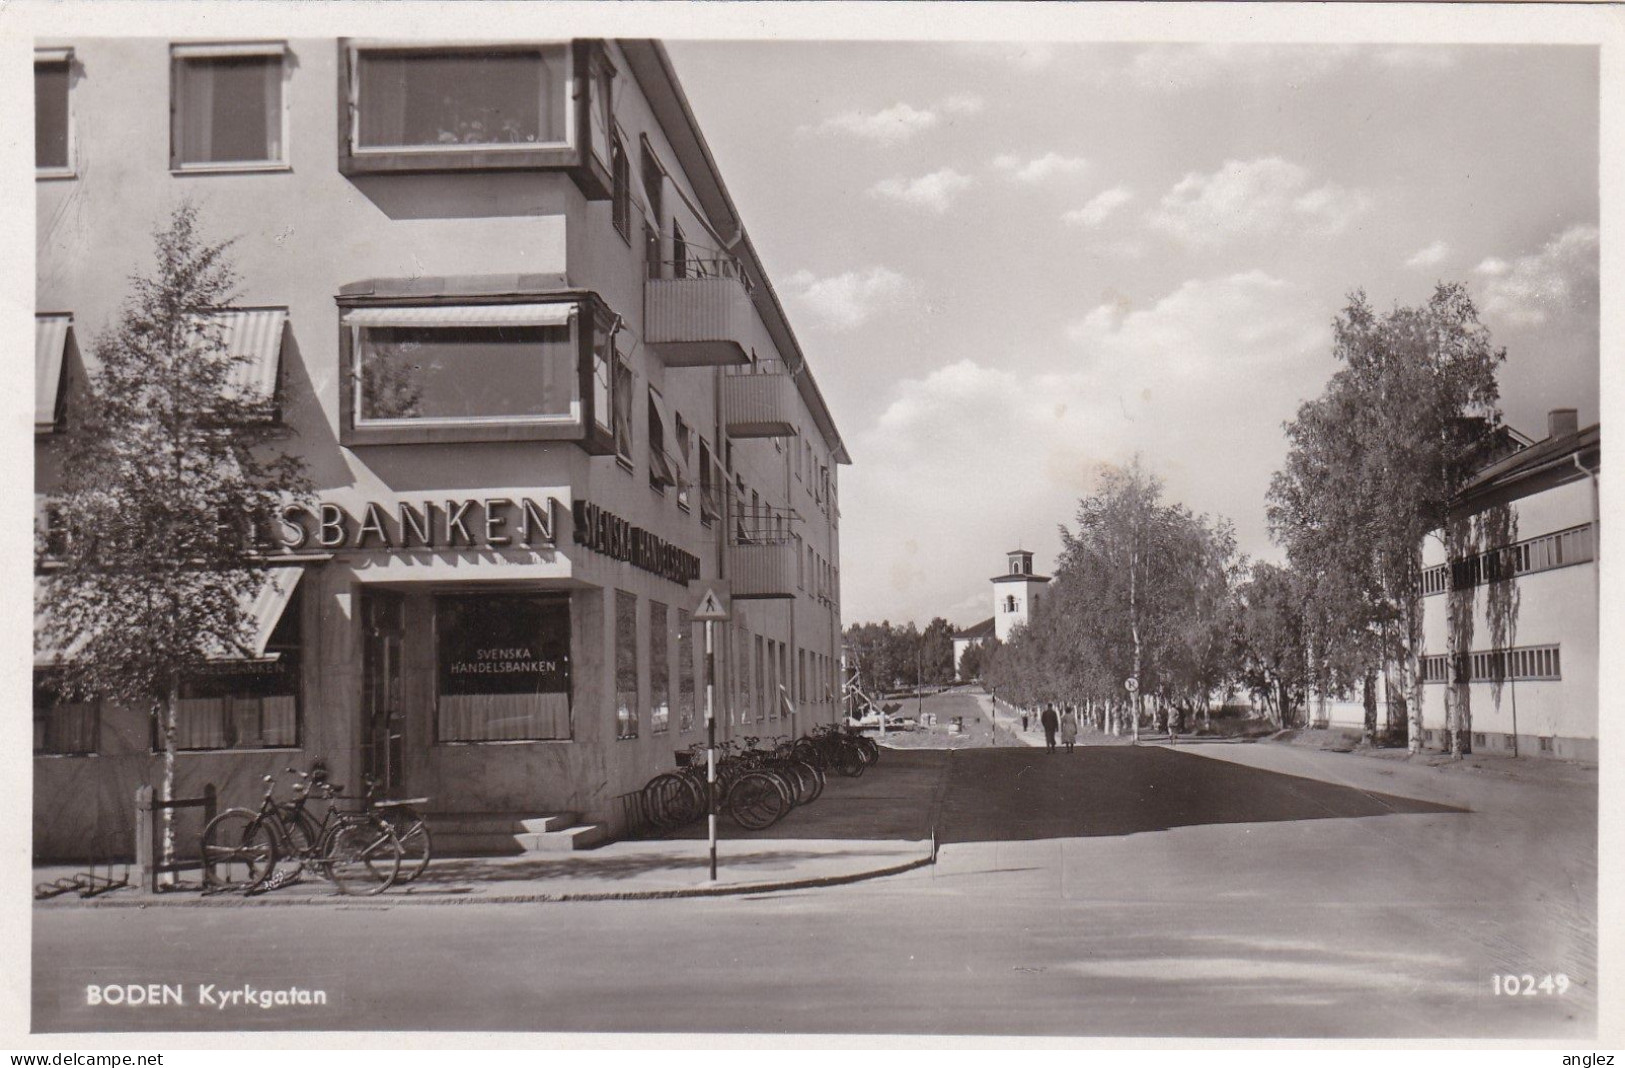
column 237, row 850
column 663, row 800
column 756, row 801
column 417, row 848
column 297, row 836
column 362, row 856
column 869, row 748
column 815, row 776
column 849, row 760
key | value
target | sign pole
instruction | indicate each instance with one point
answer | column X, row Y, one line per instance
column 711, row 741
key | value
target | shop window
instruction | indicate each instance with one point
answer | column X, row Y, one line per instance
column 53, row 121
column 227, row 109
column 62, row 726
column 761, row 678
column 245, row 703
column 659, row 669
column 502, row 667
column 683, row 640
column 626, row 664
column 742, row 677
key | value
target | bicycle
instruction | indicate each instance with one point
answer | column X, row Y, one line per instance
column 410, row 827
column 240, row 849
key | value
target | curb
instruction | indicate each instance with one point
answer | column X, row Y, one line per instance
column 386, row 901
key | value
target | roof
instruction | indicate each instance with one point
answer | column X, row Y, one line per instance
column 1019, row 578
column 981, row 630
column 1539, row 467
column 652, row 68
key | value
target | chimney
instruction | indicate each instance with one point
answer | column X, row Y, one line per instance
column 1561, row 422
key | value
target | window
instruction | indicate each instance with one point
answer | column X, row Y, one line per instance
column 659, row 669
column 245, row 704
column 502, row 667
column 654, row 177
column 684, row 442
column 661, row 474
column 623, row 412
column 457, row 99
column 761, row 679
column 226, row 110
column 621, row 186
column 626, row 664
column 710, row 488
column 62, row 727
column 684, row 642
column 53, row 118
column 741, row 676
column 782, row 678
column 679, row 252
column 1532, row 663
column 1009, row 604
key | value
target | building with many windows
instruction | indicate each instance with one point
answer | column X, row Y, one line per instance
column 1532, row 691
column 513, row 324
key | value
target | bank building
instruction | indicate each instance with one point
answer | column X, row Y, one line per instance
column 517, row 331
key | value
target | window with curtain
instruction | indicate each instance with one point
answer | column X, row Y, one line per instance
column 659, row 669
column 683, row 641
column 462, row 374
column 227, row 110
column 626, row 664
column 62, row 727
column 245, row 704
column 51, row 80
column 623, row 411
column 450, row 99
column 502, row 667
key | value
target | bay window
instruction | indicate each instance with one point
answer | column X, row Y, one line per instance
column 227, row 109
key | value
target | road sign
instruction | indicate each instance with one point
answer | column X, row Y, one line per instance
column 1131, row 684
column 714, row 603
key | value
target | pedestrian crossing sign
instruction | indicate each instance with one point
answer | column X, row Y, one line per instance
column 714, row 603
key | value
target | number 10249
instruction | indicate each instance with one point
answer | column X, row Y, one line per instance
column 1529, row 985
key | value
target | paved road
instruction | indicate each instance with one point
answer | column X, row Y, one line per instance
column 1217, row 890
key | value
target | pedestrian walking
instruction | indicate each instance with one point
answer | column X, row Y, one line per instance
column 1069, row 729
column 1050, row 723
column 1024, row 721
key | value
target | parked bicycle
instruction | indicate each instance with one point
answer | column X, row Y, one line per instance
column 252, row 851
column 410, row 826
column 756, row 786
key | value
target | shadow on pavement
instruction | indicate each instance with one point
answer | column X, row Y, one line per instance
column 569, row 867
column 1015, row 795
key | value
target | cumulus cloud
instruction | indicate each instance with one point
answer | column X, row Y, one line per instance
column 1166, row 379
column 1100, row 207
column 1040, row 168
column 1429, row 256
column 933, row 192
column 848, row 300
column 1260, row 196
column 888, row 126
column 1558, row 280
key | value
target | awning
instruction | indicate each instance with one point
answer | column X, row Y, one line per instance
column 256, row 337
column 50, row 345
column 265, row 610
column 557, row 313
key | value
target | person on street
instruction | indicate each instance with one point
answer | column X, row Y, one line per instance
column 1069, row 728
column 1024, row 721
column 1050, row 723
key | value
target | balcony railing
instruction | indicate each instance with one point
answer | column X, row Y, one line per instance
column 762, row 569
column 699, row 321
column 760, row 402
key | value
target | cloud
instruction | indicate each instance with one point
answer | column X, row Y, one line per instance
column 1040, row 168
column 889, row 126
column 934, row 191
column 1261, row 196
column 846, row 301
column 1100, row 207
column 1557, row 281
column 1430, row 256
column 985, row 453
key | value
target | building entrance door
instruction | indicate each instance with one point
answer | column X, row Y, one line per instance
column 383, row 622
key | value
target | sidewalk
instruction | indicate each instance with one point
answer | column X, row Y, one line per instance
column 864, row 828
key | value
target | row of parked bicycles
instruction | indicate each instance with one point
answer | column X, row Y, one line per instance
column 360, row 850
column 757, row 785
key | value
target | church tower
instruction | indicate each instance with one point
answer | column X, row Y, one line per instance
column 1016, row 594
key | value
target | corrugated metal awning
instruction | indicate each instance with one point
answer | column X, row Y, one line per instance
column 256, row 337
column 553, row 314
column 265, row 608
column 50, row 345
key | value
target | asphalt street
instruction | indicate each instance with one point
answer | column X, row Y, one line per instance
column 1213, row 890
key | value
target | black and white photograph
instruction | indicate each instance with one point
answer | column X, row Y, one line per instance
column 806, row 522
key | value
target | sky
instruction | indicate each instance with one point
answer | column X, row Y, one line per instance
column 1011, row 264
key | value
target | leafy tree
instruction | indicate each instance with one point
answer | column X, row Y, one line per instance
column 1272, row 635
column 171, row 478
column 1372, row 467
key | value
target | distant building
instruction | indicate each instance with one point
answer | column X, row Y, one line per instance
column 1534, row 693
column 1015, row 598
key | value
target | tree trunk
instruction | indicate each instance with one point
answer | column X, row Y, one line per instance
column 1369, row 695
column 1412, row 681
column 171, row 711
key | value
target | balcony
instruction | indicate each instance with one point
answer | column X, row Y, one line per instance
column 699, row 322
column 760, row 402
column 763, row 569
